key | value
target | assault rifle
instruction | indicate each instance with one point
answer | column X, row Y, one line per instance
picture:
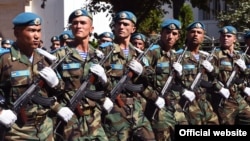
column 198, row 76
column 29, row 94
column 125, row 78
column 82, row 90
column 230, row 79
column 32, row 90
column 169, row 81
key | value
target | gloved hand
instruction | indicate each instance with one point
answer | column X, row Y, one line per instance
column 207, row 65
column 177, row 67
column 65, row 113
column 99, row 54
column 241, row 64
column 160, row 102
column 247, row 91
column 49, row 76
column 108, row 104
column 136, row 67
column 225, row 92
column 189, row 95
column 99, row 71
column 7, row 118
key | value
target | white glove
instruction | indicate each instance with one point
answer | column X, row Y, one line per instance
column 99, row 71
column 136, row 67
column 224, row 92
column 160, row 102
column 247, row 91
column 189, row 95
column 99, row 54
column 177, row 67
column 108, row 104
column 241, row 64
column 7, row 118
column 50, row 76
column 207, row 65
column 65, row 113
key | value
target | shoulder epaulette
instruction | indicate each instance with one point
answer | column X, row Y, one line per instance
column 154, row 47
column 3, row 51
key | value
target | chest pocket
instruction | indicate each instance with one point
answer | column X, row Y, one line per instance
column 190, row 69
column 71, row 69
column 226, row 65
column 20, row 77
column 162, row 67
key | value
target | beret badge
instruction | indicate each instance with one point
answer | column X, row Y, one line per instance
column 37, row 21
column 172, row 26
column 65, row 36
column 78, row 13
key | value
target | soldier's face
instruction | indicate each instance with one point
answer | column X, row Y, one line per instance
column 195, row 36
column 124, row 28
column 227, row 40
column 82, row 27
column 169, row 37
column 138, row 43
column 29, row 36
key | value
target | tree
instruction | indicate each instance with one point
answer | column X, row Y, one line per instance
column 236, row 14
column 144, row 9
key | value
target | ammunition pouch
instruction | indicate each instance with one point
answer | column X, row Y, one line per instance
column 44, row 101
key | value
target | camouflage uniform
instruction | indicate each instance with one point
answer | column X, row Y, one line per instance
column 128, row 120
column 17, row 74
column 199, row 111
column 235, row 109
column 74, row 70
column 163, row 120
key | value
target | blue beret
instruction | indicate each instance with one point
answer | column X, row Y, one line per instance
column 228, row 30
column 247, row 34
column 7, row 41
column 54, row 38
column 107, row 35
column 125, row 15
column 196, row 25
column 67, row 34
column 27, row 18
column 171, row 24
column 139, row 36
column 79, row 12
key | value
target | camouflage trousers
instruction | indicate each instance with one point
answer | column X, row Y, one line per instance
column 128, row 123
column 84, row 128
column 34, row 130
column 234, row 110
column 200, row 111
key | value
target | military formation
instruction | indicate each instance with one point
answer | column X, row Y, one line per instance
column 126, row 89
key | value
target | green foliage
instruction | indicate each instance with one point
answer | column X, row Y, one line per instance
column 236, row 15
column 186, row 17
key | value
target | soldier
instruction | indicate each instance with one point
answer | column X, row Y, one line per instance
column 139, row 41
column 126, row 120
column 7, row 43
column 247, row 57
column 105, row 37
column 86, row 123
column 163, row 61
column 66, row 37
column 232, row 108
column 198, row 109
column 20, row 68
column 55, row 43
